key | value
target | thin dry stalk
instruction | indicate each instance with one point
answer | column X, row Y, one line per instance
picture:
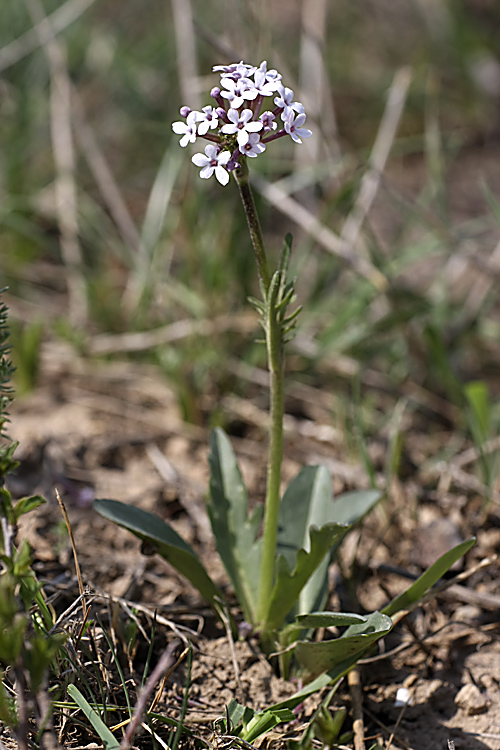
column 40, row 34
column 323, row 235
column 186, row 52
column 135, row 342
column 104, row 178
column 447, row 471
column 354, row 681
column 167, row 663
column 396, row 99
column 472, row 454
column 314, row 91
column 386, row 729
column 224, row 615
column 398, row 722
column 64, row 161
column 21, row 731
column 85, row 609
column 48, row 740
column 481, row 287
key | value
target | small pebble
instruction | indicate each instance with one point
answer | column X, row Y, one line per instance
column 403, row 698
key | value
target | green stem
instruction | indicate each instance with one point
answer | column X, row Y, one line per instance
column 275, row 358
column 271, row 512
column 241, row 176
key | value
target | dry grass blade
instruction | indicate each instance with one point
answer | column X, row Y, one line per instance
column 314, row 91
column 398, row 722
column 59, row 20
column 323, row 235
column 480, row 288
column 104, row 178
column 166, row 663
column 226, row 619
column 135, row 342
column 378, row 158
column 186, row 52
column 85, row 609
column 64, row 160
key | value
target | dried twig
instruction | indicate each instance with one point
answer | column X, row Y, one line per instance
column 104, row 178
column 135, row 342
column 85, row 609
column 226, row 619
column 396, row 725
column 447, row 470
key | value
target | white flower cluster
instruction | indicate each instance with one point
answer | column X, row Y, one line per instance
column 241, row 128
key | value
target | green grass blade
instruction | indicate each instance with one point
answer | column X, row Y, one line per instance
column 414, row 593
column 109, row 740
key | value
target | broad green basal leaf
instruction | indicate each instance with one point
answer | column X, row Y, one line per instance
column 164, row 540
column 352, row 506
column 288, row 583
column 346, row 650
column 234, row 530
column 324, row 619
column 308, row 501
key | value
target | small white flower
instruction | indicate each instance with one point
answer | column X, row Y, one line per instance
column 270, row 76
column 186, row 129
column 263, row 85
column 253, row 147
column 234, row 91
column 213, row 161
column 267, row 119
column 293, row 127
column 242, row 124
column 235, row 70
column 208, row 119
column 285, row 100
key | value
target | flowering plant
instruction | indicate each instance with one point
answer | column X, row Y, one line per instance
column 242, row 128
column 279, row 576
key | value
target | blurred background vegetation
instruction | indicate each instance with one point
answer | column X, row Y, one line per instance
column 106, row 229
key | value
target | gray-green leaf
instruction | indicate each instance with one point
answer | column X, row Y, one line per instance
column 288, row 584
column 164, row 540
column 235, row 532
column 308, row 501
column 346, row 650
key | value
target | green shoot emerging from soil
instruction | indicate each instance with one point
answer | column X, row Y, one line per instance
column 279, row 575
